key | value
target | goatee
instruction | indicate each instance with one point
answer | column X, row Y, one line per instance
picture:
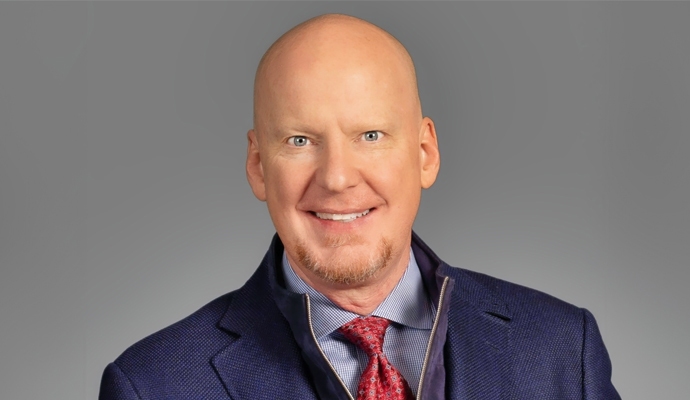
column 349, row 269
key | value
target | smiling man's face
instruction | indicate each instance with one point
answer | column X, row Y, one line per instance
column 340, row 151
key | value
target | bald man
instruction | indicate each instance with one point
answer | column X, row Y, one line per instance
column 348, row 302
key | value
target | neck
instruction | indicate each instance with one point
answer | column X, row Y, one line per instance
column 361, row 298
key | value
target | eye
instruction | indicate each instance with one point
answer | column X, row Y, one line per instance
column 371, row 136
column 298, row 141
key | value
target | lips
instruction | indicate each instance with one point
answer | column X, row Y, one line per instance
column 341, row 217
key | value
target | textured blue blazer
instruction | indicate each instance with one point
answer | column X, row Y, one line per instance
column 503, row 341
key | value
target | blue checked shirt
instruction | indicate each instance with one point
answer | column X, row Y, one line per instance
column 407, row 307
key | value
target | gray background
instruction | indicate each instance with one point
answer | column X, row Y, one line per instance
column 564, row 130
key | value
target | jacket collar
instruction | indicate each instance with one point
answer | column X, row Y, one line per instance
column 263, row 360
column 476, row 356
column 476, row 359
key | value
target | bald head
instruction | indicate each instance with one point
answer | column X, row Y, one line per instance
column 334, row 47
column 340, row 153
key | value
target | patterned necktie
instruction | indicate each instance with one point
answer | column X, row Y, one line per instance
column 380, row 379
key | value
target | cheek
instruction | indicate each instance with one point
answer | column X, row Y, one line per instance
column 397, row 179
column 395, row 174
column 285, row 185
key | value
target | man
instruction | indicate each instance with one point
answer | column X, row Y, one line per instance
column 348, row 302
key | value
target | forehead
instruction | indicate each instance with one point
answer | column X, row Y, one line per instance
column 316, row 85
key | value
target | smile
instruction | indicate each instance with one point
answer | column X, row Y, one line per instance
column 341, row 217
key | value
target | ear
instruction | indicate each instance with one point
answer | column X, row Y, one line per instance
column 255, row 172
column 429, row 156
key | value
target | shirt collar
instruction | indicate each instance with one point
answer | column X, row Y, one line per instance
column 408, row 303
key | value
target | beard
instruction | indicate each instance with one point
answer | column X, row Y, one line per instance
column 350, row 266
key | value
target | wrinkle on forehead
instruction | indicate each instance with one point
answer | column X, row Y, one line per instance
column 334, row 44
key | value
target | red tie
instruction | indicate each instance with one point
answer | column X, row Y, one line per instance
column 380, row 379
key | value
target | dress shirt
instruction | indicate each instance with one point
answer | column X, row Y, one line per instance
column 407, row 307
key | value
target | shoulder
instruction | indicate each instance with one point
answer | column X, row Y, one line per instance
column 553, row 342
column 182, row 348
column 522, row 303
column 173, row 362
column 539, row 323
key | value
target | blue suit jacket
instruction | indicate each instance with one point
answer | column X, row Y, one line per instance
column 503, row 341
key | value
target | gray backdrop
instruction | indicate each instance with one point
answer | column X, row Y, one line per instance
column 564, row 130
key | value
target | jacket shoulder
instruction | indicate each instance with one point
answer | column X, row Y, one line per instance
column 185, row 335
column 176, row 357
column 524, row 302
column 556, row 346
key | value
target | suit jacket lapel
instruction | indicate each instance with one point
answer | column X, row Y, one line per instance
column 250, row 369
column 478, row 349
column 263, row 360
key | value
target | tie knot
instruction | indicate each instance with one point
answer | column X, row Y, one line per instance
column 367, row 333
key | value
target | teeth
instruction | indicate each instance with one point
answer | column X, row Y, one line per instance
column 342, row 217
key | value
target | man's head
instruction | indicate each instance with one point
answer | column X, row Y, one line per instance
column 340, row 150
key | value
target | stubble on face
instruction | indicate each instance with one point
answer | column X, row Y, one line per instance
column 350, row 267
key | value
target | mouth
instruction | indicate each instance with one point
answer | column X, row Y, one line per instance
column 340, row 217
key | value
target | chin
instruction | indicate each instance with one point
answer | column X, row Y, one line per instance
column 347, row 263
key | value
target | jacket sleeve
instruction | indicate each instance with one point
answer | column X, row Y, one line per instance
column 596, row 365
column 116, row 386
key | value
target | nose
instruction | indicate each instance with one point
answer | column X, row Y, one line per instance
column 338, row 167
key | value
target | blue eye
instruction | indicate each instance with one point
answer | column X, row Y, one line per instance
column 371, row 136
column 298, row 141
